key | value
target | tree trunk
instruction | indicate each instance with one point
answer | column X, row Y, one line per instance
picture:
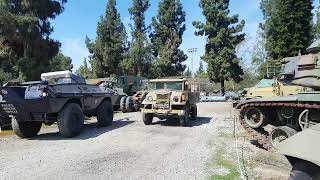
column 222, row 87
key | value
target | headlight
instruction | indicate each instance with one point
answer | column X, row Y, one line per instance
column 150, row 98
column 176, row 99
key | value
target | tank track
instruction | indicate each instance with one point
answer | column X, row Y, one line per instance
column 260, row 134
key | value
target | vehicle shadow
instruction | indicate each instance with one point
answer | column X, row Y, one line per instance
column 89, row 131
column 192, row 123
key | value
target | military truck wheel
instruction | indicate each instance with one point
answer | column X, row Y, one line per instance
column 193, row 112
column 147, row 118
column 105, row 114
column 184, row 119
column 136, row 107
column 123, row 104
column 303, row 170
column 70, row 120
column 129, row 104
column 26, row 129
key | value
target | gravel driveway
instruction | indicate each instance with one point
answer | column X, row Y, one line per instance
column 127, row 150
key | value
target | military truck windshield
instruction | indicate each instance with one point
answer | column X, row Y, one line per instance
column 166, row 85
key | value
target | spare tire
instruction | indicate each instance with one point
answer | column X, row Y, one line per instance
column 25, row 129
column 70, row 120
column 105, row 113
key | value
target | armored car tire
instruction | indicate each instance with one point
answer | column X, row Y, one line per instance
column 129, row 104
column 303, row 170
column 147, row 118
column 70, row 120
column 25, row 129
column 123, row 104
column 105, row 114
column 193, row 112
column 184, row 119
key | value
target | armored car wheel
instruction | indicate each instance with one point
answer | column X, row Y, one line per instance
column 147, row 118
column 70, row 120
column 303, row 170
column 129, row 104
column 194, row 112
column 105, row 114
column 184, row 119
column 25, row 129
column 123, row 104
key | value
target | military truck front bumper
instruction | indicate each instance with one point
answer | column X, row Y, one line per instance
column 164, row 112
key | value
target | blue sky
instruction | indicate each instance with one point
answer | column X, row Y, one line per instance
column 81, row 16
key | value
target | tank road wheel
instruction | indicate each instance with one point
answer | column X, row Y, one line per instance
column 254, row 117
column 194, row 112
column 123, row 104
column 147, row 118
column 303, row 170
column 129, row 104
column 280, row 134
column 105, row 114
column 70, row 120
column 25, row 129
column 184, row 119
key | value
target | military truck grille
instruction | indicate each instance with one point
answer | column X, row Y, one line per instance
column 163, row 97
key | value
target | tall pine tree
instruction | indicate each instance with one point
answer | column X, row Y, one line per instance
column 287, row 26
column 108, row 50
column 223, row 34
column 26, row 48
column 139, row 60
column 166, row 37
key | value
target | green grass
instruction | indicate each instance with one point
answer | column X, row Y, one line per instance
column 220, row 162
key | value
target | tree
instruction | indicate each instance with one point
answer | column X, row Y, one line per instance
column 108, row 50
column 187, row 72
column 287, row 27
column 317, row 24
column 84, row 70
column 139, row 61
column 223, row 34
column 61, row 63
column 25, row 43
column 166, row 37
column 200, row 70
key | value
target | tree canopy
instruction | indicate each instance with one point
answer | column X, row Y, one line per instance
column 26, row 48
column 166, row 37
column 108, row 50
column 224, row 33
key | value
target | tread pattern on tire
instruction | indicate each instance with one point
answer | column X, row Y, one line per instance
column 105, row 114
column 147, row 118
column 123, row 104
column 25, row 129
column 65, row 123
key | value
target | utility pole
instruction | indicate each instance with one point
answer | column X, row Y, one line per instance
column 192, row 51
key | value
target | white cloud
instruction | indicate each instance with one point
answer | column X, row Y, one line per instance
column 76, row 49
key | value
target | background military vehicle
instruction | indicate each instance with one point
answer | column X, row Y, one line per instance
column 168, row 98
column 127, row 91
column 302, row 151
column 59, row 97
column 286, row 115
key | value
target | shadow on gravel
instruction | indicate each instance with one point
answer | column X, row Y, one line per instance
column 192, row 123
column 89, row 131
column 256, row 143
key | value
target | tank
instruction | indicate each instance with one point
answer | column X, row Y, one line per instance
column 271, row 120
column 303, row 153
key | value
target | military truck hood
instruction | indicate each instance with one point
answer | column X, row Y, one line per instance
column 303, row 145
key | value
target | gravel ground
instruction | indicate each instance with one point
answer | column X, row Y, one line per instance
column 131, row 150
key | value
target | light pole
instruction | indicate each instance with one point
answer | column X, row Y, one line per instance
column 192, row 51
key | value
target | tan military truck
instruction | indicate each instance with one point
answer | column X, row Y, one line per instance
column 169, row 99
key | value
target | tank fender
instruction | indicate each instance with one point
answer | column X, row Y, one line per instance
column 303, row 146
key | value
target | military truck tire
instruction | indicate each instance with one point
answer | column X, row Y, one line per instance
column 129, row 104
column 26, row 129
column 184, row 119
column 194, row 113
column 123, row 104
column 70, row 120
column 136, row 106
column 105, row 114
column 147, row 118
column 303, row 170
